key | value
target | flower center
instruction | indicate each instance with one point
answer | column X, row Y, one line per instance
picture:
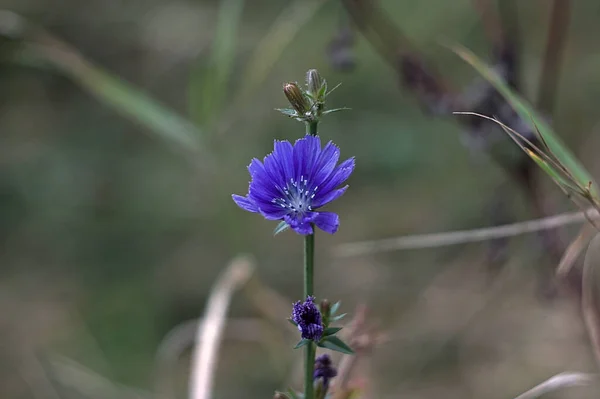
column 297, row 196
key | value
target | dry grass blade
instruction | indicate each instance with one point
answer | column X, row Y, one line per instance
column 209, row 333
column 35, row 376
column 559, row 381
column 456, row 237
column 589, row 301
column 41, row 49
column 528, row 115
column 531, row 149
column 574, row 249
column 181, row 337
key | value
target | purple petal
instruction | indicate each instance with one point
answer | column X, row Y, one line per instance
column 272, row 211
column 264, row 204
column 261, row 181
column 306, row 152
column 325, row 164
column 256, row 168
column 328, row 197
column 337, row 177
column 275, row 172
column 327, row 221
column 260, row 193
column 302, row 226
column 245, row 203
column 283, row 154
column 304, row 229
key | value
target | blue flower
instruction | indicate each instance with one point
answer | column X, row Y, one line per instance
column 294, row 181
column 324, row 370
column 308, row 319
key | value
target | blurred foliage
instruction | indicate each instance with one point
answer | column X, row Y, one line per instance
column 110, row 238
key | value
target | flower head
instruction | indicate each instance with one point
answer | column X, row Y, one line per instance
column 324, row 370
column 308, row 319
column 294, row 181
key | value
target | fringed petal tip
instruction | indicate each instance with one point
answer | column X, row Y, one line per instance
column 245, row 203
column 329, row 222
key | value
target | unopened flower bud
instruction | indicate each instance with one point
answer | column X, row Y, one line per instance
column 325, row 307
column 308, row 319
column 324, row 371
column 296, row 98
column 320, row 390
column 314, row 82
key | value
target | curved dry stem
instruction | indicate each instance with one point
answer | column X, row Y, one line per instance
column 589, row 305
column 210, row 332
column 574, row 249
column 181, row 337
column 559, row 381
column 457, row 237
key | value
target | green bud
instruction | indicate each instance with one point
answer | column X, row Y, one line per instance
column 314, row 82
column 296, row 98
column 320, row 390
column 325, row 307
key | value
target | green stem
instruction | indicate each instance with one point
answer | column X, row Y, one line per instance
column 311, row 127
column 309, row 260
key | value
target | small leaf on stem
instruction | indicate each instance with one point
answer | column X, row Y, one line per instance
column 335, row 344
column 331, row 330
column 302, row 343
column 281, row 227
column 334, row 308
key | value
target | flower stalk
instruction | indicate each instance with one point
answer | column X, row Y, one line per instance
column 310, row 351
column 311, row 127
column 291, row 185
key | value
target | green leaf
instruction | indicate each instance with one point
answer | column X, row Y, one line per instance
column 331, row 330
column 332, row 90
column 335, row 110
column 302, row 343
column 108, row 88
column 338, row 317
column 322, row 90
column 287, row 112
column 553, row 173
column 529, row 116
column 292, row 322
column 335, row 344
column 209, row 83
column 334, row 308
column 281, row 227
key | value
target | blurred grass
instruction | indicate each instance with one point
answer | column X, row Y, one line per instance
column 551, row 145
column 38, row 48
column 89, row 202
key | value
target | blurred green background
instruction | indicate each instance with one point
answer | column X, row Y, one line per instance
column 115, row 227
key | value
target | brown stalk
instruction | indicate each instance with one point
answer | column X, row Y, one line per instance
column 555, row 45
column 393, row 46
column 490, row 21
column 435, row 94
